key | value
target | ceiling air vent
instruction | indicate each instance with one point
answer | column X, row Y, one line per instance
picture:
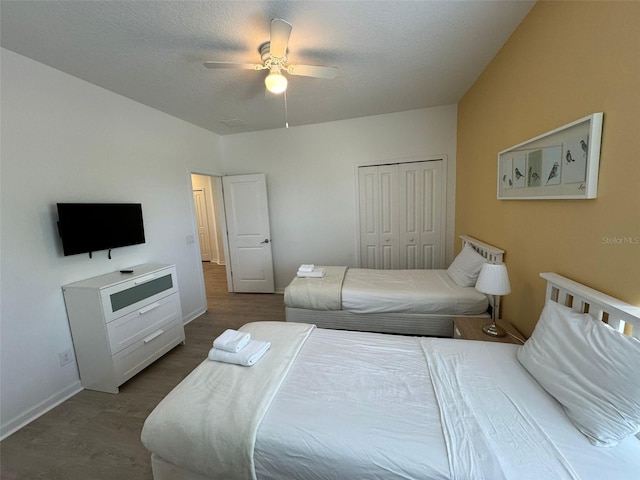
column 234, row 123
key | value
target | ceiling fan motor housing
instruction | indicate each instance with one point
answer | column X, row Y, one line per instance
column 265, row 55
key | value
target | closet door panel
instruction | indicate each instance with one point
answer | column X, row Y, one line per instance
column 369, row 257
column 409, row 192
column 432, row 215
column 411, row 256
column 368, row 186
column 428, row 255
column 388, row 178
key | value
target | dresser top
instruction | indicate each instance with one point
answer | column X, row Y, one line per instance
column 113, row 278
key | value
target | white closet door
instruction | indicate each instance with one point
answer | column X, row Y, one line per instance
column 410, row 215
column 368, row 187
column 389, row 251
column 378, row 191
column 421, row 215
column 402, row 215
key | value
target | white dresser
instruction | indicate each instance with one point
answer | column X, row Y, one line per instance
column 122, row 322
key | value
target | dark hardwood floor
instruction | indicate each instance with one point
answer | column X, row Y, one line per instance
column 96, row 435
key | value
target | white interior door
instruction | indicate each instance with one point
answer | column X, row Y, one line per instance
column 202, row 220
column 247, row 216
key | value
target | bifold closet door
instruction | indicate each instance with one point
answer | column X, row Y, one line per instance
column 378, row 192
column 402, row 215
column 421, row 215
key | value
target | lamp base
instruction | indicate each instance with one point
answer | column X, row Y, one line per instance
column 494, row 330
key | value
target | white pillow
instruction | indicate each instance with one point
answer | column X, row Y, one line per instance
column 465, row 268
column 590, row 368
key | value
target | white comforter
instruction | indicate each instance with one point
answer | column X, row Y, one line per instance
column 409, row 291
column 364, row 290
column 489, row 434
column 361, row 405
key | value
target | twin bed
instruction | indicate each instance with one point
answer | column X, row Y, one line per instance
column 411, row 302
column 328, row 404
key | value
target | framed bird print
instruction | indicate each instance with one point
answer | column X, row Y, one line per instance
column 560, row 164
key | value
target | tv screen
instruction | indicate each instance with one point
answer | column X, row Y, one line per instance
column 90, row 227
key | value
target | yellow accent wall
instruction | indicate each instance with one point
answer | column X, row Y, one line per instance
column 565, row 61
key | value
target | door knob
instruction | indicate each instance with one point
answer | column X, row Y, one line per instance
column 266, row 240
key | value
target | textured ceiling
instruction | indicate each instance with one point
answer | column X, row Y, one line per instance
column 392, row 55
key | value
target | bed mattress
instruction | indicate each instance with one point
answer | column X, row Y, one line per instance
column 409, row 291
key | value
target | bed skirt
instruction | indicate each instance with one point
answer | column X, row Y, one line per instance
column 401, row 323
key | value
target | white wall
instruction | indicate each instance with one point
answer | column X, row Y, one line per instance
column 65, row 140
column 311, row 178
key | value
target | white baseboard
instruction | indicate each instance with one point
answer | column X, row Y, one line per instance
column 193, row 315
column 40, row 409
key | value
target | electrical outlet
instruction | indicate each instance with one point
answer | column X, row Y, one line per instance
column 66, row 357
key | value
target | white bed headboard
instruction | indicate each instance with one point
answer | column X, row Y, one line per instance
column 619, row 315
column 491, row 253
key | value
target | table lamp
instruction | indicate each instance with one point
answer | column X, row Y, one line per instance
column 494, row 280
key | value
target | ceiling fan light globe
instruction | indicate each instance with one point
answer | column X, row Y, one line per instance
column 276, row 82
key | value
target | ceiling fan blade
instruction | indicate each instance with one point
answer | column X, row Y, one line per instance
column 280, row 33
column 238, row 66
column 313, row 71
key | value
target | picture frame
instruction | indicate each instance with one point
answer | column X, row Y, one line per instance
column 560, row 164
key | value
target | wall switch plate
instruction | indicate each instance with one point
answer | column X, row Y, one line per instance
column 190, row 239
column 66, row 357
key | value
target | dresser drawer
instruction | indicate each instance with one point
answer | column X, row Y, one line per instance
column 137, row 325
column 127, row 297
column 131, row 360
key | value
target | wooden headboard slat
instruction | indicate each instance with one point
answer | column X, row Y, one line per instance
column 619, row 315
column 491, row 253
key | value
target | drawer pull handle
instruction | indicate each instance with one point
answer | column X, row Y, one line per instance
column 153, row 335
column 148, row 308
column 146, row 278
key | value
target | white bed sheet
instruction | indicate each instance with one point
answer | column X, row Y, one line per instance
column 361, row 405
column 409, row 291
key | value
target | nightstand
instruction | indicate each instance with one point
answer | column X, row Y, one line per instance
column 470, row 328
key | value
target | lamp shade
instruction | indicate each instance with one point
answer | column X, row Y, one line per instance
column 493, row 279
column 276, row 82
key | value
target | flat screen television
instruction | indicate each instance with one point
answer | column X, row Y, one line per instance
column 90, row 227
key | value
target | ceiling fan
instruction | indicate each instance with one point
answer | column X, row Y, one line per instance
column 274, row 58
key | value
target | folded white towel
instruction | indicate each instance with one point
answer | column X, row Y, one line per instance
column 232, row 341
column 306, row 268
column 316, row 273
column 246, row 357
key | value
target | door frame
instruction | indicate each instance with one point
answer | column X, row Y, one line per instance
column 448, row 199
column 217, row 200
column 204, row 216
